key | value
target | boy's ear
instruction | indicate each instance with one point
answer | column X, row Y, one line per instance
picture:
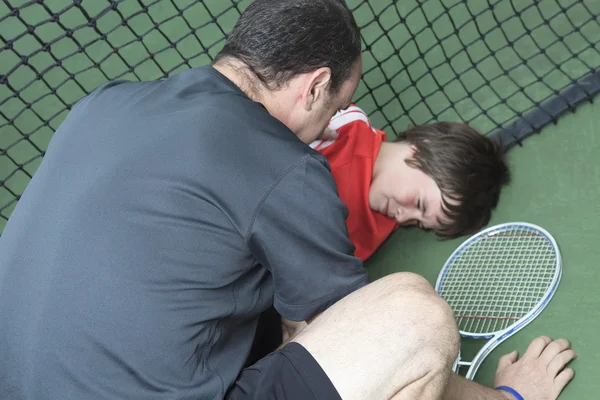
column 412, row 150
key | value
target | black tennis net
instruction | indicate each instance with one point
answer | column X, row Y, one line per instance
column 507, row 67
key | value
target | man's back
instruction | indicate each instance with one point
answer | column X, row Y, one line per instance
column 130, row 268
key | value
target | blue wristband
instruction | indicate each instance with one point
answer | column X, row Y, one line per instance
column 511, row 391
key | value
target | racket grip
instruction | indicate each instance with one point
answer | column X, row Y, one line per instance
column 511, row 391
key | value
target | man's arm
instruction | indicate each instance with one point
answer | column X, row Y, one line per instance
column 299, row 234
column 460, row 388
column 541, row 374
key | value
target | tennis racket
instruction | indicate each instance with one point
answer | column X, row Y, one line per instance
column 497, row 282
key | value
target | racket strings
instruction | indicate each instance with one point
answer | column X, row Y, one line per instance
column 499, row 278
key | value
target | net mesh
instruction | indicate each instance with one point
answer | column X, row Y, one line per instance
column 506, row 67
column 498, row 278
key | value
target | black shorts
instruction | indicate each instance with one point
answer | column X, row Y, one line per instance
column 287, row 374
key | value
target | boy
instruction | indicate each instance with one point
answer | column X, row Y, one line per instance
column 445, row 177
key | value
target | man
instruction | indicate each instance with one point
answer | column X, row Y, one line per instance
column 166, row 216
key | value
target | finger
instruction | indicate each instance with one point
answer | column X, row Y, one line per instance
column 554, row 348
column 507, row 359
column 329, row 134
column 537, row 346
column 560, row 361
column 562, row 379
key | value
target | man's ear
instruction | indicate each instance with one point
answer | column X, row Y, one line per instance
column 315, row 88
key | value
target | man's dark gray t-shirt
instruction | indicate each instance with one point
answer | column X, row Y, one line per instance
column 164, row 218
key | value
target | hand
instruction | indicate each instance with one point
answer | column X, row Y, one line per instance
column 540, row 374
column 290, row 329
column 328, row 134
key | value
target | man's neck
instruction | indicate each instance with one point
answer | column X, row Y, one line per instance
column 237, row 73
column 276, row 103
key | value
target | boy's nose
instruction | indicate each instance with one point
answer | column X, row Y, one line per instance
column 406, row 217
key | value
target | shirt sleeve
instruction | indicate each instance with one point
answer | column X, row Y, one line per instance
column 299, row 234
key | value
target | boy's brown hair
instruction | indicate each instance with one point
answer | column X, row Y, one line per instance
column 468, row 167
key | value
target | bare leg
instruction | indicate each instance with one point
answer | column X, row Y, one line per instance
column 394, row 339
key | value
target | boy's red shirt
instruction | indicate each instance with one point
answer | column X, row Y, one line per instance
column 352, row 158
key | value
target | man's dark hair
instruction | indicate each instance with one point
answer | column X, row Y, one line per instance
column 280, row 39
column 468, row 167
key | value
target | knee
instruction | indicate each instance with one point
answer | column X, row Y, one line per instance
column 401, row 285
column 433, row 321
column 441, row 333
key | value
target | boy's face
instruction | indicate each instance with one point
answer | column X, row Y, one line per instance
column 402, row 192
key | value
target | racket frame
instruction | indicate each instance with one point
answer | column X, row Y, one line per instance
column 495, row 338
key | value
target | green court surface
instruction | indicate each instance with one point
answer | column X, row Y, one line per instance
column 423, row 60
column 556, row 183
